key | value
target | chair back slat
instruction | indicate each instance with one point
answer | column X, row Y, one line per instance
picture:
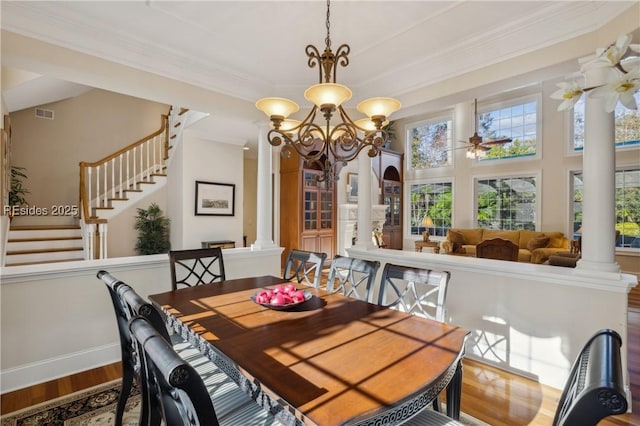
column 181, row 395
column 352, row 277
column 594, row 389
column 417, row 291
column 304, row 266
column 195, row 267
column 128, row 304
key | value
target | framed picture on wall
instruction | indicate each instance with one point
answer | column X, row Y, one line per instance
column 215, row 199
column 352, row 188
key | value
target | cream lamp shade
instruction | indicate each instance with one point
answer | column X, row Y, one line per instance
column 327, row 94
column 367, row 124
column 277, row 107
column 289, row 124
column 376, row 107
column 427, row 222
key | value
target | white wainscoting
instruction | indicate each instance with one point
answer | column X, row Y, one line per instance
column 57, row 319
column 528, row 319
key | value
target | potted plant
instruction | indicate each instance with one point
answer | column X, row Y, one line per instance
column 153, row 231
column 17, row 191
column 391, row 134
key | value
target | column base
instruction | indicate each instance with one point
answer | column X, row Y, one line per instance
column 589, row 267
column 262, row 245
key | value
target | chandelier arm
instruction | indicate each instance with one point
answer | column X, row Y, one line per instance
column 314, row 58
column 371, row 137
column 342, row 57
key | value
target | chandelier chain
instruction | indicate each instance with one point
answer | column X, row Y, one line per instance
column 327, row 40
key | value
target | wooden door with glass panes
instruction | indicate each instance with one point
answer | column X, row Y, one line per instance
column 307, row 213
column 318, row 213
column 392, row 199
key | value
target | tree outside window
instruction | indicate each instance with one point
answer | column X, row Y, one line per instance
column 430, row 144
column 517, row 121
column 507, row 203
column 432, row 200
column 627, row 206
column 627, row 125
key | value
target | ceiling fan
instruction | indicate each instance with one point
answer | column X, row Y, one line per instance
column 476, row 147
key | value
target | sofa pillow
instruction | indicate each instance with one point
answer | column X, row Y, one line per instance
column 457, row 240
column 538, row 242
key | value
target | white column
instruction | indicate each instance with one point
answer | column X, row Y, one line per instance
column 364, row 201
column 598, row 171
column 463, row 130
column 264, row 209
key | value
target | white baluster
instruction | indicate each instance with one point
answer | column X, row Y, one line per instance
column 97, row 186
column 148, row 162
column 90, row 238
column 155, row 158
column 106, row 189
column 102, row 231
column 89, row 185
column 128, row 171
column 134, row 168
column 113, row 178
column 141, row 164
column 120, row 178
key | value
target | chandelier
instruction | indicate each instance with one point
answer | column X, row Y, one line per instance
column 328, row 138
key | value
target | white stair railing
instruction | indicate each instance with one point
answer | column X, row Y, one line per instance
column 110, row 178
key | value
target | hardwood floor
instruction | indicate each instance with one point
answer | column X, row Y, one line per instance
column 494, row 396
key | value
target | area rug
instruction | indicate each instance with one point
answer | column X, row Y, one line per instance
column 94, row 406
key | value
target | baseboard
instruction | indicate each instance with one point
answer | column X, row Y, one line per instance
column 54, row 368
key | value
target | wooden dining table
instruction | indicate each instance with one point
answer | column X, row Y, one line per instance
column 331, row 360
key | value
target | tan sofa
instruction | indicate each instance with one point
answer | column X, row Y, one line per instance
column 534, row 247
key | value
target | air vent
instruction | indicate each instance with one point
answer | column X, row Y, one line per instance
column 44, row 113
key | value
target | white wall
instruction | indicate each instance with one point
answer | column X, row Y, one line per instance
column 204, row 160
column 538, row 316
column 57, row 319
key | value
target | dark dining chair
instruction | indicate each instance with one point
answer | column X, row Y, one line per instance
column 353, row 277
column 417, row 291
column 127, row 304
column 304, row 266
column 177, row 393
column 195, row 267
column 593, row 391
column 498, row 248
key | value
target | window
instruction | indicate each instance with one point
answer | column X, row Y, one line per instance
column 627, row 206
column 517, row 120
column 627, row 125
column 429, row 144
column 430, row 200
column 507, row 203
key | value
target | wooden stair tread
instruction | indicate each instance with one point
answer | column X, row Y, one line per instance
column 26, row 240
column 41, row 227
column 132, row 190
column 102, row 208
column 51, row 250
column 145, row 181
column 117, row 199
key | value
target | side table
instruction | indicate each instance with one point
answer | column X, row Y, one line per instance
column 433, row 244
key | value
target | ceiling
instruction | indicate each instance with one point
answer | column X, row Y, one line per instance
column 249, row 50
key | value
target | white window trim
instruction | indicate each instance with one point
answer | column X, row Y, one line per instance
column 407, row 197
column 447, row 115
column 570, row 174
column 537, row 174
column 537, row 97
column 570, row 152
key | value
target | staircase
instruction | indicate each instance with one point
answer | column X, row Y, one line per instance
column 107, row 188
column 42, row 244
